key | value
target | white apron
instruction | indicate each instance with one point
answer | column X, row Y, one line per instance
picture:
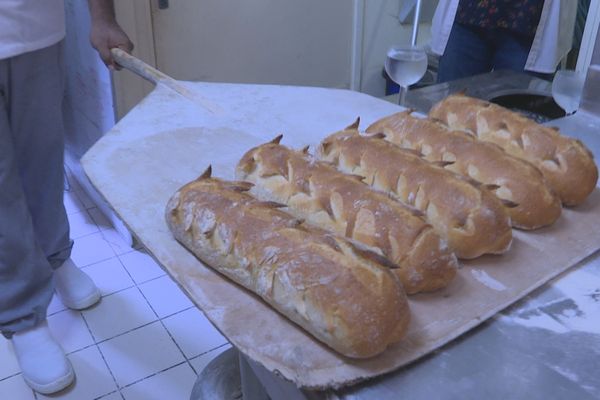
column 28, row 25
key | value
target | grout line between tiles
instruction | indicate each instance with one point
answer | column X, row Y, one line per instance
column 124, row 333
column 100, row 351
column 154, row 374
column 10, row 376
column 96, row 341
column 213, row 349
column 163, row 324
column 141, row 282
column 106, row 394
column 192, row 367
column 112, row 375
column 76, row 189
column 200, row 355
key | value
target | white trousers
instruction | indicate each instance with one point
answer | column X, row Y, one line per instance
column 34, row 230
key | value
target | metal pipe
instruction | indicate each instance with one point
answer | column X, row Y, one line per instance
column 415, row 30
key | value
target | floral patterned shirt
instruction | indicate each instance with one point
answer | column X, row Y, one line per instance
column 518, row 16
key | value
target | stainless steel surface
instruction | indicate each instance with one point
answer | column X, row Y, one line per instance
column 252, row 388
column 220, row 379
column 485, row 86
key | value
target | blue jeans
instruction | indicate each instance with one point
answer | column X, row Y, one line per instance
column 471, row 51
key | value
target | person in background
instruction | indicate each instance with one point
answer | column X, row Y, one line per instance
column 478, row 36
column 35, row 246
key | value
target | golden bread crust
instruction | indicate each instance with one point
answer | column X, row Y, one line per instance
column 316, row 279
column 566, row 163
column 317, row 192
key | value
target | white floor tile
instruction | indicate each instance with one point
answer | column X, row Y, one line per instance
column 55, row 305
column 72, row 202
column 85, row 199
column 174, row 383
column 165, row 296
column 92, row 380
column 81, row 224
column 90, row 250
column 110, row 276
column 141, row 266
column 116, row 241
column 70, row 330
column 193, row 332
column 112, row 396
column 200, row 362
column 140, row 353
column 8, row 360
column 118, row 313
column 15, row 388
column 100, row 219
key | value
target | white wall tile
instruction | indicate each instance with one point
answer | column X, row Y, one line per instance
column 8, row 361
column 110, row 276
column 93, row 378
column 70, row 331
column 118, row 313
column 174, row 383
column 90, row 250
column 165, row 296
column 200, row 362
column 140, row 353
column 141, row 266
column 193, row 332
column 15, row 388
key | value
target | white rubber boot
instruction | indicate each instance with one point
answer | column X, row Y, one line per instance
column 43, row 363
column 75, row 289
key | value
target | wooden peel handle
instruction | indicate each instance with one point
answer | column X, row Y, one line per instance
column 153, row 75
column 139, row 67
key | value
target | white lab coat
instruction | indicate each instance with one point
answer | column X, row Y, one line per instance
column 553, row 37
column 28, row 25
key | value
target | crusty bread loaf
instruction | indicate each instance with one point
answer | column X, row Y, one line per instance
column 566, row 163
column 316, row 279
column 471, row 218
column 529, row 201
column 317, row 192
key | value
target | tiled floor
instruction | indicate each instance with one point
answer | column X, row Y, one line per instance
column 144, row 340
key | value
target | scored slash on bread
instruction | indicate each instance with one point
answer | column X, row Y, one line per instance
column 520, row 185
column 337, row 292
column 470, row 218
column 341, row 203
column 567, row 164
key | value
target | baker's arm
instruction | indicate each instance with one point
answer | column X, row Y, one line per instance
column 106, row 32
